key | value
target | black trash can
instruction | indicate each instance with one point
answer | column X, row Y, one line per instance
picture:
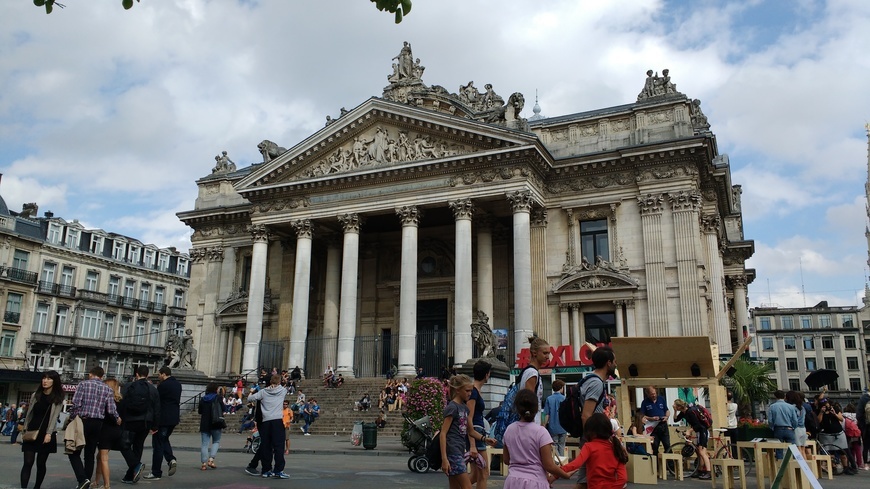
column 370, row 436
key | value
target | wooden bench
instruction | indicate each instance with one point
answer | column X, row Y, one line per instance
column 490, row 452
column 727, row 477
column 677, row 459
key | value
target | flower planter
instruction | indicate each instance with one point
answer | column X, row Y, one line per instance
column 747, row 433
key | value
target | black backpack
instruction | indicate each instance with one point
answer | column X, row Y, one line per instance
column 571, row 409
column 137, row 399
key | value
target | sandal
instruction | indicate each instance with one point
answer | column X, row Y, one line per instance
column 211, row 463
column 204, row 467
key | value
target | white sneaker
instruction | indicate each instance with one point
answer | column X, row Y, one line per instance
column 302, row 429
column 307, row 434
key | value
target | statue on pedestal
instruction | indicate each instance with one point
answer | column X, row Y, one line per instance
column 483, row 337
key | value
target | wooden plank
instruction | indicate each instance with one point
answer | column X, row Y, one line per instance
column 734, row 358
column 663, row 358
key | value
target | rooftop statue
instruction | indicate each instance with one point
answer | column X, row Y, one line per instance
column 656, row 86
column 224, row 164
column 270, row 150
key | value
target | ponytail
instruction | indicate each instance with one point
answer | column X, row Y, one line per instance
column 619, row 450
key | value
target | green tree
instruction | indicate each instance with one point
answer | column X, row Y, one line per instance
column 751, row 385
column 399, row 8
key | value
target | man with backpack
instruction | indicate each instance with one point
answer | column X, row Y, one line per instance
column 550, row 416
column 169, row 390
column 698, row 419
column 140, row 411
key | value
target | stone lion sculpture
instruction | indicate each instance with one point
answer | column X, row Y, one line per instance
column 483, row 337
column 270, row 150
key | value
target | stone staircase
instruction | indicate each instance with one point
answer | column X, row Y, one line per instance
column 337, row 414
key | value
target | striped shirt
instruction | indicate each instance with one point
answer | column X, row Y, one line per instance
column 93, row 399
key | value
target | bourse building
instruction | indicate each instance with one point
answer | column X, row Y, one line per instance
column 378, row 240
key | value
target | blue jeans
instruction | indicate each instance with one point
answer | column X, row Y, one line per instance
column 161, row 449
column 785, row 435
column 559, row 443
column 213, row 436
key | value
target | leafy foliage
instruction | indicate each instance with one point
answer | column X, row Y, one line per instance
column 398, row 7
column 751, row 384
column 426, row 397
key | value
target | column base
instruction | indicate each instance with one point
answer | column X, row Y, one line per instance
column 407, row 371
column 346, row 372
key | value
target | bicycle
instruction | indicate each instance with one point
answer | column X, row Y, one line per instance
column 722, row 448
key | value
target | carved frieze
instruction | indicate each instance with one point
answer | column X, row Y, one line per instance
column 409, row 215
column 594, row 282
column 660, row 117
column 666, row 171
column 685, row 200
column 650, row 203
column 503, row 173
column 279, row 205
column 462, row 208
column 209, row 231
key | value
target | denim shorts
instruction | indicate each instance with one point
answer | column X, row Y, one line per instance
column 479, row 444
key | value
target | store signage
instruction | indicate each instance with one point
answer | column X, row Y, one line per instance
column 562, row 356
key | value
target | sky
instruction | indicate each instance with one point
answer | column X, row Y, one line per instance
column 110, row 116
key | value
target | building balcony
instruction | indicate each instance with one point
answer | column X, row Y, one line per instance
column 56, row 289
column 90, row 295
column 95, row 344
column 130, row 303
column 19, row 275
column 177, row 311
column 11, row 317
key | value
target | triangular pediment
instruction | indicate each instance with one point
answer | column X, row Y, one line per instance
column 379, row 135
column 578, row 279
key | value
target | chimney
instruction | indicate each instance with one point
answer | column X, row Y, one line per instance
column 49, row 214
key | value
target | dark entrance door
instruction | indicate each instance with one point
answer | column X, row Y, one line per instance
column 387, row 360
column 432, row 336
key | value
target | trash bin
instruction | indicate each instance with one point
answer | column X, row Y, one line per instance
column 369, row 435
column 356, row 434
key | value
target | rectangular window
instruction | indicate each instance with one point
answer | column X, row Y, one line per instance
column 830, row 363
column 809, row 343
column 118, row 251
column 108, row 327
column 155, row 333
column 787, row 322
column 765, row 323
column 178, row 328
column 124, row 330
column 767, row 344
column 13, row 308
column 114, row 285
column 788, row 342
column 40, row 320
column 79, row 367
column 847, row 321
column 179, row 298
column 129, row 288
column 91, row 324
column 149, row 259
column 246, row 273
column 20, row 259
column 60, row 320
column 806, row 322
column 72, row 238
column 827, row 342
column 133, row 254
column 593, row 240
column 97, row 243
column 855, row 385
column 92, row 280
column 54, row 231
column 851, row 363
column 600, row 327
column 66, row 276
column 119, row 368
column 182, row 267
column 145, row 292
column 158, row 295
column 811, row 364
column 794, row 385
column 850, row 342
column 140, row 332
column 825, row 321
column 791, row 364
column 163, row 262
column 48, row 271
column 7, row 344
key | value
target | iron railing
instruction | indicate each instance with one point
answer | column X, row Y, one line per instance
column 11, row 317
column 19, row 275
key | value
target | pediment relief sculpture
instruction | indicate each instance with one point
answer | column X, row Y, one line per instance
column 237, row 303
column 587, row 276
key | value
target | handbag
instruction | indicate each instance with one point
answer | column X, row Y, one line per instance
column 33, row 435
column 218, row 422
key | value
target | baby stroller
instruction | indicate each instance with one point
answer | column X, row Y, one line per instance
column 252, row 443
column 420, row 443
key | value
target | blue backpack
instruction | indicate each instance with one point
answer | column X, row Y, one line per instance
column 507, row 414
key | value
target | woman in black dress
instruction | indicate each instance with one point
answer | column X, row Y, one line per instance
column 45, row 406
column 110, row 439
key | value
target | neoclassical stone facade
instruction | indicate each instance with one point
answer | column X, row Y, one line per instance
column 374, row 241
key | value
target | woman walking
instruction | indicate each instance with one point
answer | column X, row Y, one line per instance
column 110, row 439
column 539, row 352
column 44, row 408
column 210, row 408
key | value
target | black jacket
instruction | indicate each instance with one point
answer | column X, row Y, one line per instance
column 152, row 414
column 205, row 410
column 170, row 401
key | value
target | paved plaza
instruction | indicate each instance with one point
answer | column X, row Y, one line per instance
column 329, row 460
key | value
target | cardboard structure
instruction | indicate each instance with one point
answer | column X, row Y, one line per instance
column 667, row 362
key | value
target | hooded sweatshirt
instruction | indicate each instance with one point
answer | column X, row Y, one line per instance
column 271, row 401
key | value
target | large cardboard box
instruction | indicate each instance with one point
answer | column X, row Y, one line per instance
column 641, row 469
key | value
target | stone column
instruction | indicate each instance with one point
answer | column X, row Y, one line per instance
column 462, row 312
column 539, row 274
column 231, row 343
column 349, row 296
column 654, row 262
column 685, row 205
column 256, row 295
column 330, row 305
column 630, row 319
column 222, row 347
column 301, row 285
column 521, row 203
column 721, row 329
column 577, row 330
column 484, row 266
column 741, row 314
column 620, row 324
column 565, row 320
column 410, row 217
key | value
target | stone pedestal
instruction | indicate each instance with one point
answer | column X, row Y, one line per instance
column 499, row 380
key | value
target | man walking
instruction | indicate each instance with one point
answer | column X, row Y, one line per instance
column 169, row 390
column 550, row 416
column 92, row 401
column 141, row 411
column 272, row 429
column 782, row 417
column 593, row 392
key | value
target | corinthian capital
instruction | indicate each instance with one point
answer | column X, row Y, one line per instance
column 736, row 281
column 409, row 214
column 198, row 254
column 710, row 223
column 462, row 208
column 650, row 203
column 685, row 200
column 259, row 232
column 350, row 222
column 216, row 253
column 521, row 200
column 303, row 228
column 539, row 218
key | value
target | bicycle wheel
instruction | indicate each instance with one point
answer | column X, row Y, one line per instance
column 834, row 451
column 690, row 459
column 746, row 456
